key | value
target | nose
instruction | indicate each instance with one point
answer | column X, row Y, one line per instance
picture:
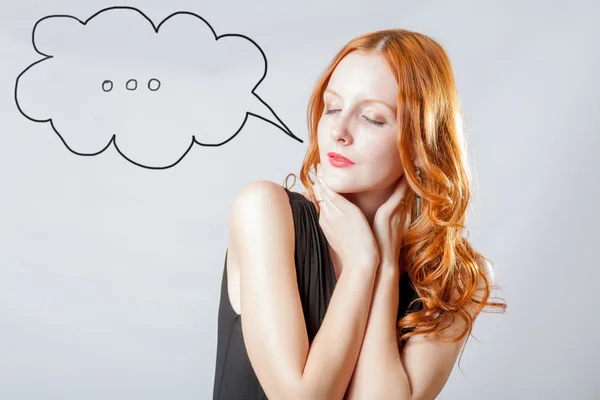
column 340, row 130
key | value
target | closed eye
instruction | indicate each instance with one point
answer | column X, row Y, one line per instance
column 371, row 121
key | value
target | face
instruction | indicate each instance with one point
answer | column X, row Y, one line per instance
column 359, row 123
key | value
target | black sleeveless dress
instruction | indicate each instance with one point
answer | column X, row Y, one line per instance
column 234, row 377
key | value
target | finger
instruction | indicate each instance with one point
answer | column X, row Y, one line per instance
column 401, row 187
column 331, row 197
column 317, row 189
column 395, row 199
column 401, row 190
column 405, row 218
column 407, row 221
column 319, row 179
column 319, row 194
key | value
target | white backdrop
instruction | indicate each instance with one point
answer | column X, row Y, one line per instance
column 113, row 216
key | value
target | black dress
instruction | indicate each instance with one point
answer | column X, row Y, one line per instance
column 234, row 377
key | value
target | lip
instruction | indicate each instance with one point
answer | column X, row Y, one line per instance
column 338, row 160
column 339, row 157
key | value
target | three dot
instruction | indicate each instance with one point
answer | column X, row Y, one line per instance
column 153, row 85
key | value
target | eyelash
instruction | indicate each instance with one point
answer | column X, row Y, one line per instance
column 376, row 123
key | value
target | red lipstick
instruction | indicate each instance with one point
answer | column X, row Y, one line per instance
column 338, row 160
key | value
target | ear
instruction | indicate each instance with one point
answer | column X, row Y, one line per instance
column 417, row 162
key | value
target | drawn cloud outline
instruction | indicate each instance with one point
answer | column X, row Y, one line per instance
column 156, row 29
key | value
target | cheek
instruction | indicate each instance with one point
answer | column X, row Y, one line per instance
column 323, row 126
column 385, row 159
column 321, row 129
column 393, row 158
column 392, row 155
column 324, row 138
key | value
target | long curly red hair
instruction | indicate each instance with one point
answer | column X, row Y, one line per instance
column 446, row 272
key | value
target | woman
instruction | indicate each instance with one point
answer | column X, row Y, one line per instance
column 382, row 225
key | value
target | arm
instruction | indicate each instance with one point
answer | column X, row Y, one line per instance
column 379, row 368
column 424, row 366
column 262, row 233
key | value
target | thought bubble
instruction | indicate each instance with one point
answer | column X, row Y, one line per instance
column 150, row 90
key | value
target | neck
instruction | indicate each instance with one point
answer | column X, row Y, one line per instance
column 369, row 202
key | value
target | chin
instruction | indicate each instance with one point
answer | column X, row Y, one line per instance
column 342, row 184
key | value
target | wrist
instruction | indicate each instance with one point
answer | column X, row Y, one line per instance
column 363, row 267
column 368, row 263
column 389, row 270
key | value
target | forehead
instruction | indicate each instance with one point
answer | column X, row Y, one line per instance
column 364, row 75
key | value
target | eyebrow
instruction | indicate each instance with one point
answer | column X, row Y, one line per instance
column 365, row 100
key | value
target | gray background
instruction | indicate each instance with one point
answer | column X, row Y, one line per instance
column 110, row 273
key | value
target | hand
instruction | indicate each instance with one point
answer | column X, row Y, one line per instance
column 390, row 222
column 346, row 228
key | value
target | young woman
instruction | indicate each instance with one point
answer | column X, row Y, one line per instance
column 363, row 287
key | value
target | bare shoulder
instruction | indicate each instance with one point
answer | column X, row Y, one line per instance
column 487, row 270
column 260, row 216
column 262, row 233
column 261, row 194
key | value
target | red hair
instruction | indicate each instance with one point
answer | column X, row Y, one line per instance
column 445, row 270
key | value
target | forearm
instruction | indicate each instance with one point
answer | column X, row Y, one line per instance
column 379, row 373
column 334, row 350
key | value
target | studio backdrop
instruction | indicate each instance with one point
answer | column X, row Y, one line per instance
column 127, row 131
